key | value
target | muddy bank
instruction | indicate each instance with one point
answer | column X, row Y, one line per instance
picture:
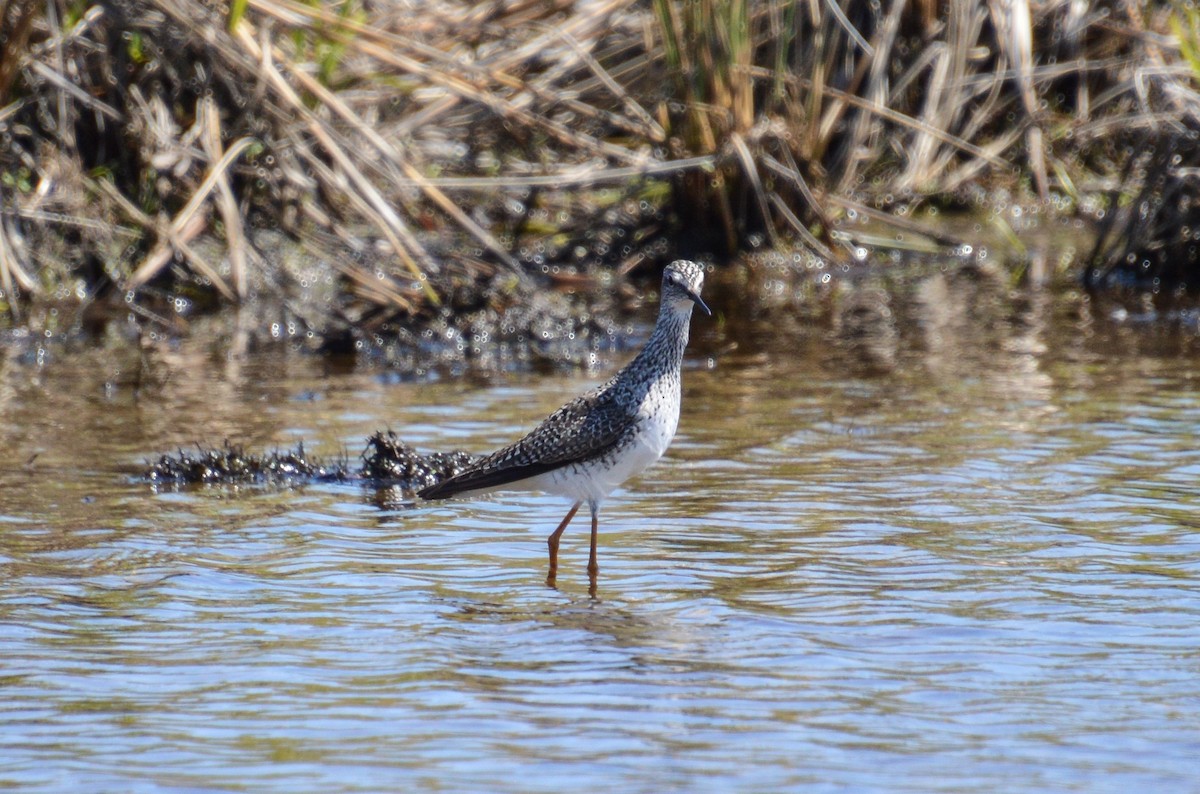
column 558, row 310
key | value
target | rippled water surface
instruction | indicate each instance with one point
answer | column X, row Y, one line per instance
column 941, row 539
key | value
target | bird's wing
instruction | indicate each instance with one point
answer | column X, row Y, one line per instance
column 585, row 427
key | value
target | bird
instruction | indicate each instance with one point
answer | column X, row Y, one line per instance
column 594, row 443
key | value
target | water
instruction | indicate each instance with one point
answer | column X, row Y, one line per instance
column 939, row 538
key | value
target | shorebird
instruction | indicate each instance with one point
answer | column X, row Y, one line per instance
column 585, row 449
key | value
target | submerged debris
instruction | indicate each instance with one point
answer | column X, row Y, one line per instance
column 230, row 464
column 386, row 459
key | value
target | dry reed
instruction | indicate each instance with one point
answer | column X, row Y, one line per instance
column 454, row 133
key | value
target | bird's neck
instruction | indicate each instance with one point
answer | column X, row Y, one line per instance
column 670, row 334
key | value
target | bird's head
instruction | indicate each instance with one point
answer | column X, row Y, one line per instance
column 682, row 281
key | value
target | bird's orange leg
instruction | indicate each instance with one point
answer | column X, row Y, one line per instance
column 593, row 566
column 552, row 542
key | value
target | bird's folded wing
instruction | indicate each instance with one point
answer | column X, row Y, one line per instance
column 584, row 428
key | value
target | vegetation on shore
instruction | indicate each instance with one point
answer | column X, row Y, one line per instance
column 438, row 159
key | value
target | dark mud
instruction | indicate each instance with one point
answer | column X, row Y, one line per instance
column 386, row 461
column 1149, row 243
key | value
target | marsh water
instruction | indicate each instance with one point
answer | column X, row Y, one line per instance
column 937, row 536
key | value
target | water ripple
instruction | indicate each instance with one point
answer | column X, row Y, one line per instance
column 978, row 572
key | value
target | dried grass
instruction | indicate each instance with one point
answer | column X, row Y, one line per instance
column 136, row 128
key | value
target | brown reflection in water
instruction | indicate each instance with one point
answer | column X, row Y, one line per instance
column 944, row 320
column 865, row 327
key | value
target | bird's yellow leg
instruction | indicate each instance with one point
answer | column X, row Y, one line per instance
column 593, row 566
column 552, row 543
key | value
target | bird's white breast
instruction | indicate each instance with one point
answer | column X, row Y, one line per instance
column 659, row 416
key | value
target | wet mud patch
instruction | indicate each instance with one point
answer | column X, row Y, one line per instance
column 385, row 461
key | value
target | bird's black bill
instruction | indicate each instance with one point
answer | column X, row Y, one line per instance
column 696, row 299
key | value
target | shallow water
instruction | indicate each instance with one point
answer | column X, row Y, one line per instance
column 941, row 537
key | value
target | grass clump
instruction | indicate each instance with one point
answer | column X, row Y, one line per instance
column 149, row 147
